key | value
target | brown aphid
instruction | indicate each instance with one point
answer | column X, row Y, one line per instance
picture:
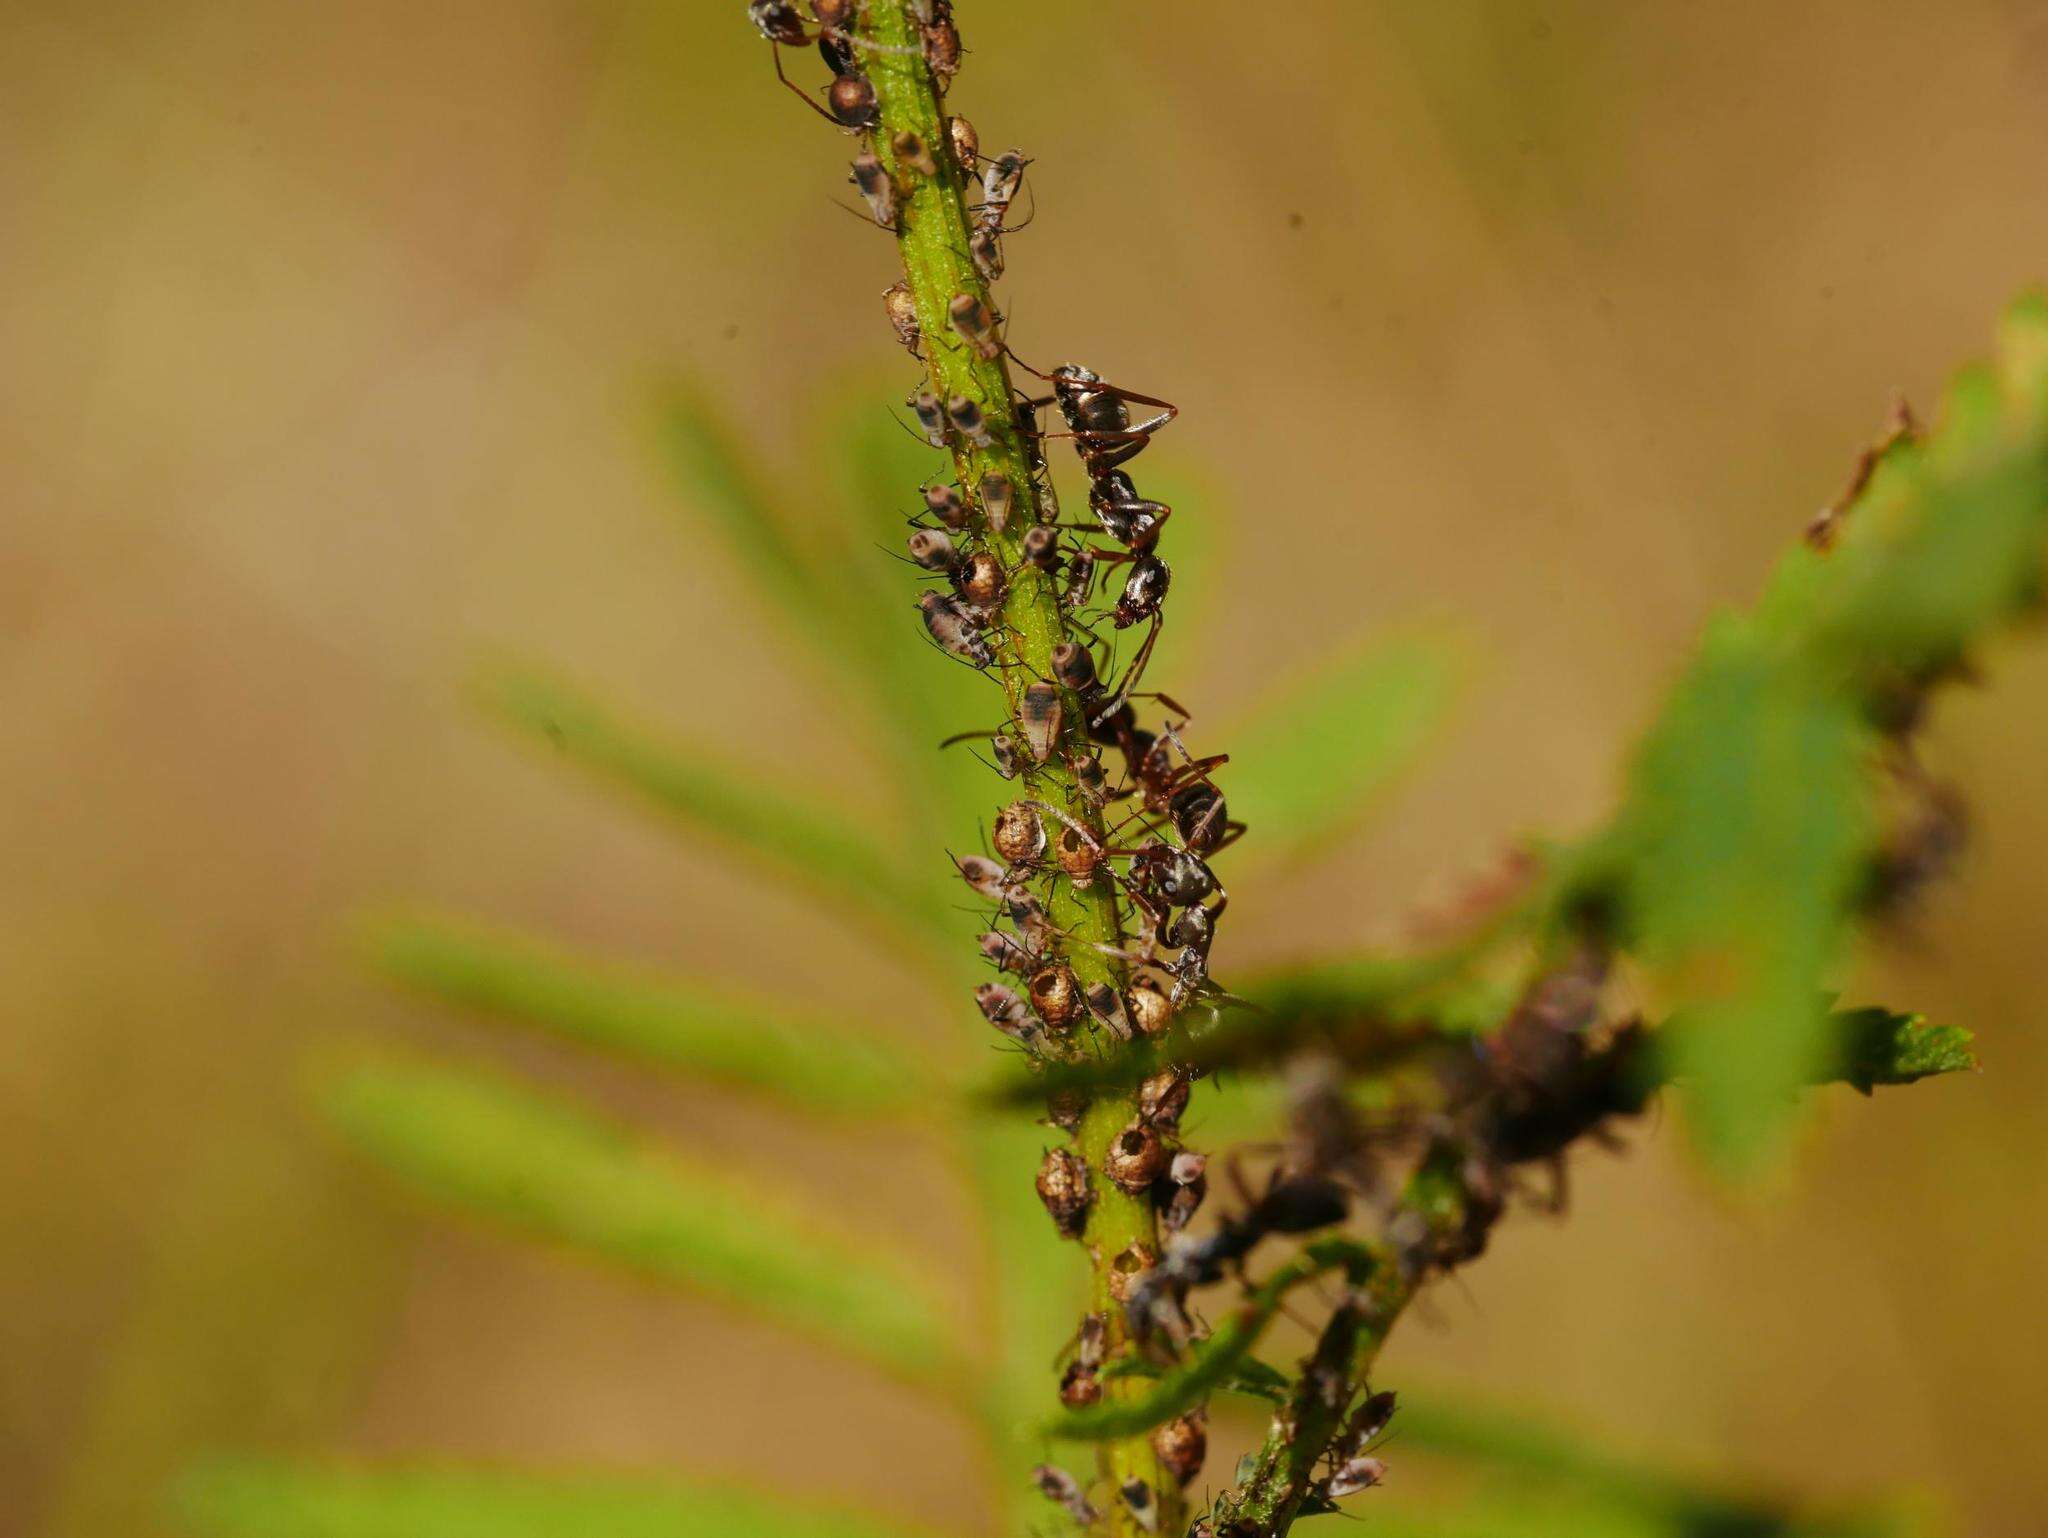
column 1138, row 1497
column 998, row 496
column 1006, row 951
column 930, row 417
column 965, row 141
column 1181, row 1202
column 1074, row 666
column 1132, row 1262
column 1135, row 1159
column 1018, row 835
column 901, row 309
column 1089, row 779
column 1151, row 1010
column 955, row 630
column 942, row 51
column 1106, row 1007
column 932, row 550
column 1041, row 715
column 1162, row 1098
column 1080, row 580
column 1003, row 749
column 988, row 879
column 1183, row 1446
column 912, row 151
column 1002, row 1007
column 852, row 100
column 1056, row 996
column 1080, row 858
column 942, row 501
column 1355, row 1475
column 1041, row 547
column 876, row 190
column 979, row 579
column 1091, row 1341
column 1063, row 1188
column 1064, row 1108
column 975, row 322
column 985, row 246
column 1079, row 1387
column 968, row 421
column 1059, row 1486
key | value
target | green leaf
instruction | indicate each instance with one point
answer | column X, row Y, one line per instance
column 548, row 1169
column 1874, row 1046
column 818, row 848
column 681, row 1024
column 251, row 1499
column 1307, row 763
column 1746, row 823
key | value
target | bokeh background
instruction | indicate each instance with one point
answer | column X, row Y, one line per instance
column 329, row 333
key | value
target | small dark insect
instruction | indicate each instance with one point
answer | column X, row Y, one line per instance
column 1003, row 749
column 1144, row 1509
column 956, row 630
column 1354, row 1475
column 779, row 22
column 933, row 550
column 966, row 417
column 1074, row 666
column 1144, row 591
column 902, row 312
column 1040, row 714
column 988, row 879
column 1058, row 1486
column 1004, row 1010
column 911, row 150
column 929, row 417
column 1183, row 1446
column 876, row 189
column 946, row 504
column 1041, row 547
column 985, row 247
column 1080, row 579
column 1063, row 1188
column 965, row 141
column 942, row 45
column 852, row 100
column 1162, row 1098
column 1106, row 1006
column 1006, row 951
column 1089, row 779
column 1079, row 1387
column 999, row 184
column 998, row 496
column 981, row 581
column 975, row 322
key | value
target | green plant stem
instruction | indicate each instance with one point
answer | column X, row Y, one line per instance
column 932, row 235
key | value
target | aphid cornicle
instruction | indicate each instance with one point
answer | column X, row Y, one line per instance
column 930, row 417
column 955, row 630
column 876, row 190
column 1063, row 1188
column 968, row 421
column 976, row 324
column 1056, row 996
column 946, row 505
column 998, row 496
column 1135, row 1159
column 932, row 549
column 1040, row 715
column 901, row 309
column 1018, row 835
column 911, row 150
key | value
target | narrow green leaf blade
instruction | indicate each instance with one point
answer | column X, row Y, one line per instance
column 685, row 1025
column 779, row 829
column 1874, row 1046
column 1308, row 762
column 550, row 1170
column 254, row 1499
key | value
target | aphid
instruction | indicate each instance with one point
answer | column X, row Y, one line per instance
column 976, row 324
column 1064, row 1108
column 999, row 184
column 1144, row 591
column 998, row 496
column 779, row 22
column 1019, row 835
column 1144, row 1509
column 1080, row 579
column 1187, row 1167
column 932, row 549
column 929, row 417
column 1135, row 1159
column 1006, row 951
column 1183, row 1446
column 1091, row 1341
column 1074, row 666
column 902, row 312
column 1187, row 1182
column 852, row 100
column 1355, row 1475
column 1003, row 749
column 1041, row 547
column 955, row 630
column 1162, row 1098
column 1041, row 715
column 1080, row 858
column 1106, row 1007
column 944, row 503
column 988, row 879
column 911, row 150
column 1128, row 1270
column 1056, row 996
column 985, row 246
column 942, row 45
column 1151, row 1010
column 967, row 419
column 1058, row 1486
column 1004, row 1010
column 1089, row 779
column 876, row 189
column 1063, row 1187
column 980, row 580
column 965, row 141
column 1079, row 1387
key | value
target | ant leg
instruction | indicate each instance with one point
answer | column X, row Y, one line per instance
column 775, row 52
column 1132, row 675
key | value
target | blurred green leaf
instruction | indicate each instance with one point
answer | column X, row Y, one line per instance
column 814, row 846
column 1306, row 764
column 249, row 1499
column 681, row 1024
column 1875, row 1046
column 551, row 1170
column 1746, row 823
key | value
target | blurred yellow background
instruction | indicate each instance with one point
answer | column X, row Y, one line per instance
column 328, row 333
